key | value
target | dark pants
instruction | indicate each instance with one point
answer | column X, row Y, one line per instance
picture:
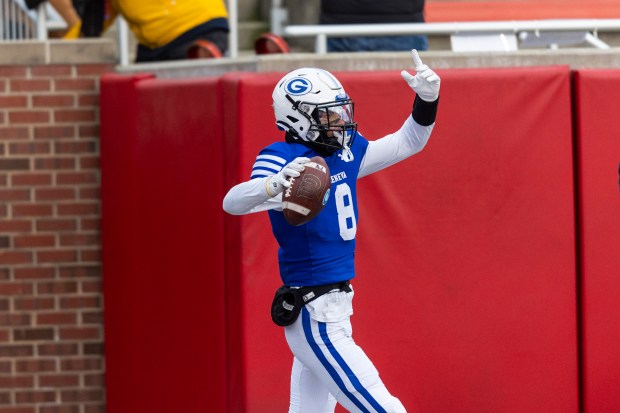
column 177, row 49
column 379, row 43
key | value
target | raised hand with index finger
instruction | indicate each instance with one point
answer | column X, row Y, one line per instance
column 425, row 83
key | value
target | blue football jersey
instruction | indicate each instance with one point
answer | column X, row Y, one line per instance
column 322, row 250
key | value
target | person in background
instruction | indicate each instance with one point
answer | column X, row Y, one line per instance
column 372, row 11
column 174, row 29
column 84, row 18
column 67, row 11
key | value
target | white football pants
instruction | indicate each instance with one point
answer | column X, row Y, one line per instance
column 329, row 367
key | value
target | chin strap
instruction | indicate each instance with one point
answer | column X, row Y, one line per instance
column 320, row 149
column 290, row 138
column 325, row 142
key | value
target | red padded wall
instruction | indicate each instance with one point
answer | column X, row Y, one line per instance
column 597, row 96
column 471, row 249
column 465, row 295
column 262, row 367
column 118, row 127
column 163, row 256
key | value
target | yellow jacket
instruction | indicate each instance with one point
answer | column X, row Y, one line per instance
column 156, row 23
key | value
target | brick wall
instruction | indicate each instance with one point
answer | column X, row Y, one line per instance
column 51, row 331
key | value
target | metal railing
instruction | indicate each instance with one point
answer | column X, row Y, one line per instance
column 19, row 23
column 322, row 32
column 16, row 23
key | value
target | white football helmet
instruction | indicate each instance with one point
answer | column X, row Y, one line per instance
column 311, row 104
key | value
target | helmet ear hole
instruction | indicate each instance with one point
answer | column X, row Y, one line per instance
column 292, row 119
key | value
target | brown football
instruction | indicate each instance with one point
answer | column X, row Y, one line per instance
column 308, row 193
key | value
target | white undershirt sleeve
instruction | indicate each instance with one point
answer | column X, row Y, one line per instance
column 408, row 140
column 250, row 196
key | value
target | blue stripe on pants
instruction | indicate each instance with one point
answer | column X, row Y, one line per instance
column 305, row 318
column 347, row 370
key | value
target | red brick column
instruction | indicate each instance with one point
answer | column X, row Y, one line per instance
column 51, row 334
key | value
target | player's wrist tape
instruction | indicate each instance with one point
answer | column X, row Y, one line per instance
column 424, row 112
column 271, row 186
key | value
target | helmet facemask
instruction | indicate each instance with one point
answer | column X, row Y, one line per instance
column 332, row 126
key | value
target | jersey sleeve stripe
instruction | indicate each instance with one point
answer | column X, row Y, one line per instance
column 267, row 165
column 276, row 159
column 258, row 173
column 265, row 168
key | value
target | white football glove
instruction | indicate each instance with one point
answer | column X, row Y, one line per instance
column 425, row 83
column 278, row 182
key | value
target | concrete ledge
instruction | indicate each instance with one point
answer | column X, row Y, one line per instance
column 575, row 58
column 194, row 68
column 83, row 51
column 100, row 50
column 22, row 53
column 104, row 50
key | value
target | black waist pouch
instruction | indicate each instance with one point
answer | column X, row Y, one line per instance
column 288, row 301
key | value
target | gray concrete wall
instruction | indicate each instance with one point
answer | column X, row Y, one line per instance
column 575, row 58
column 106, row 51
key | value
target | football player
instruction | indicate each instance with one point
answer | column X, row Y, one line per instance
column 316, row 258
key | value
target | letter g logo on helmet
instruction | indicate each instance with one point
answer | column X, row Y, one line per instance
column 298, row 86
